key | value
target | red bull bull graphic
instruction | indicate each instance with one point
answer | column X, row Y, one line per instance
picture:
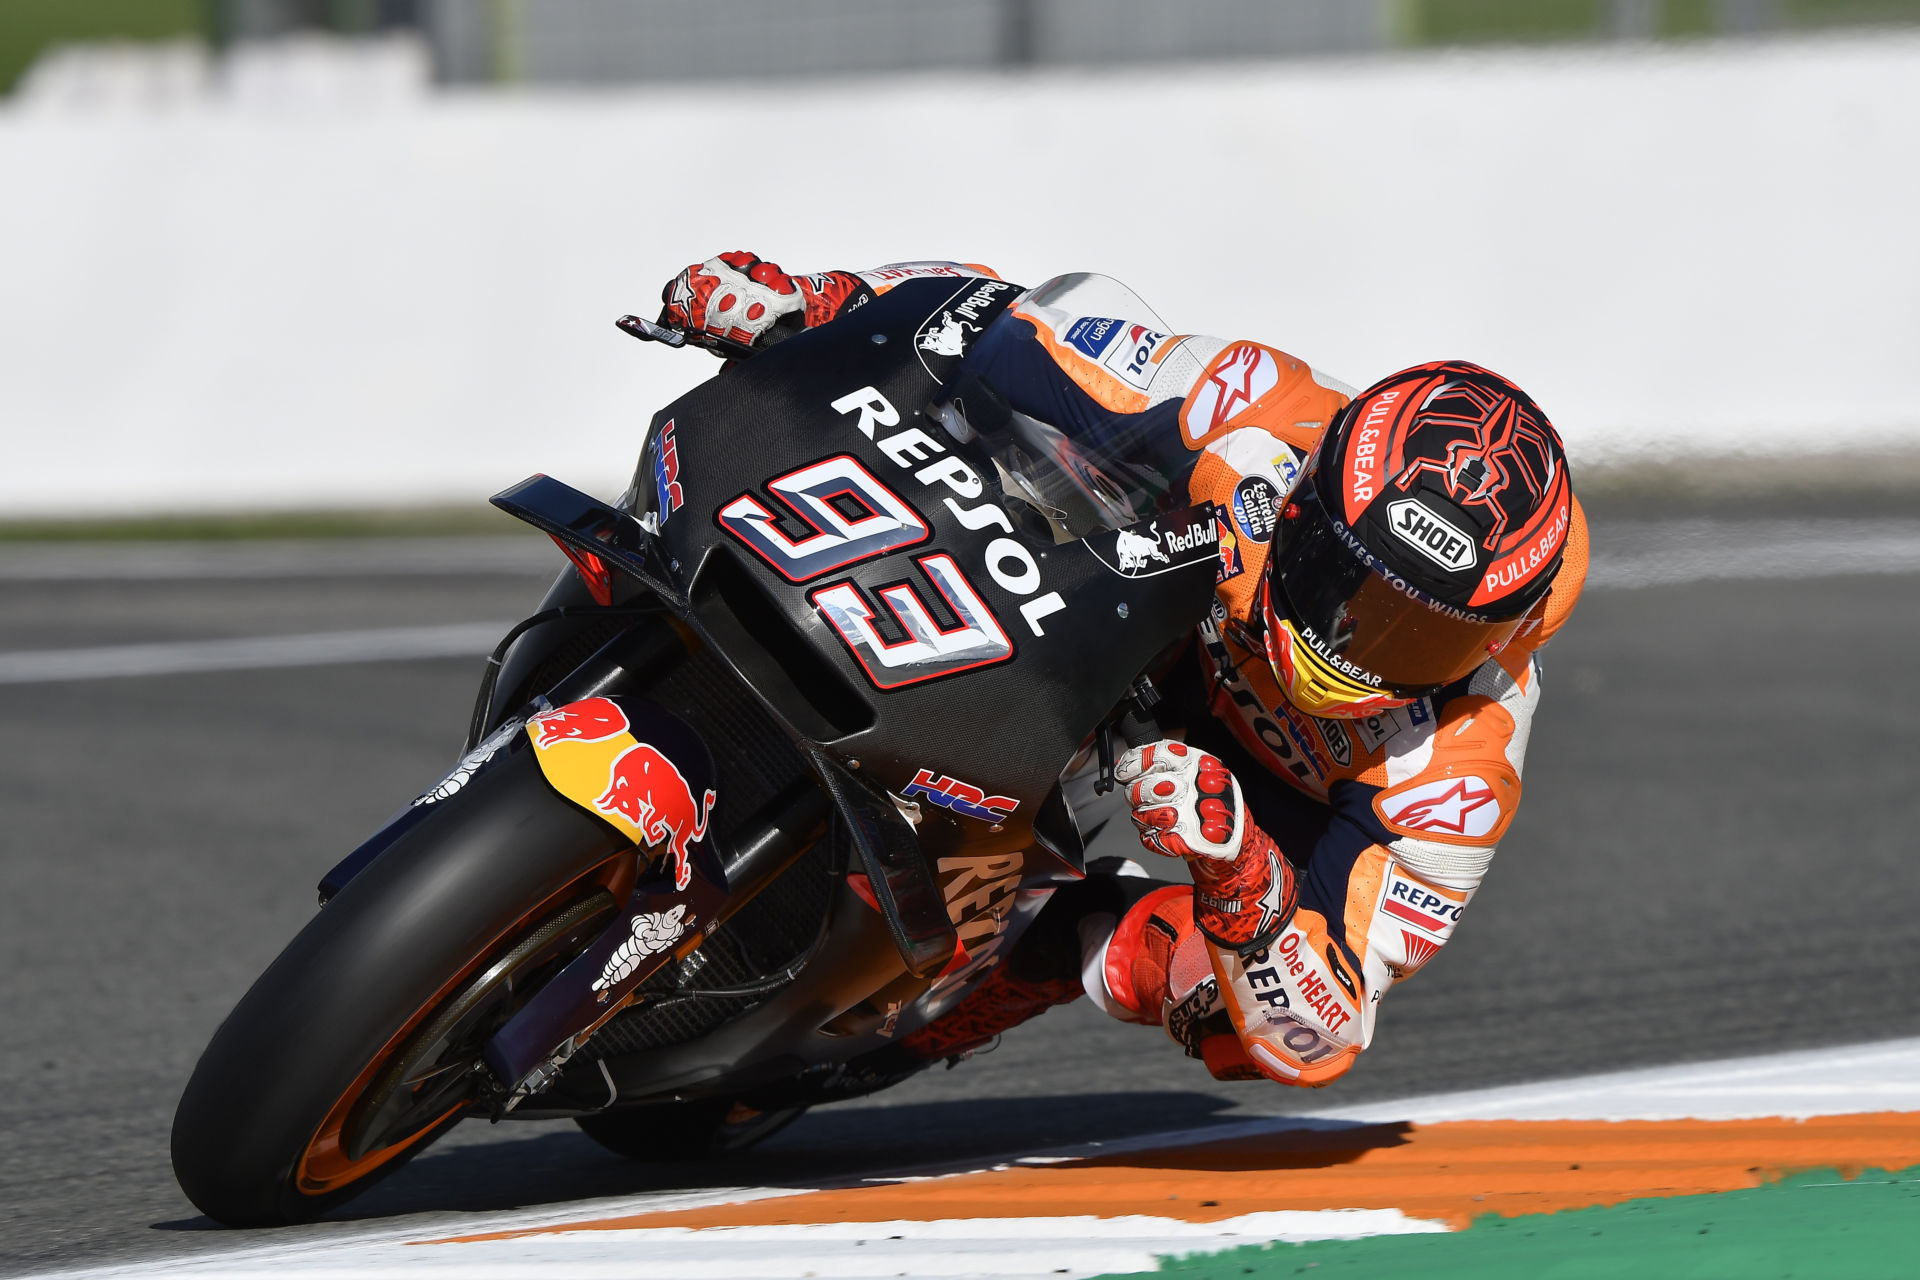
column 650, row 792
column 656, row 791
column 589, row 720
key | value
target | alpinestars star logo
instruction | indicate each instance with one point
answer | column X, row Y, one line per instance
column 682, row 295
column 1240, row 376
column 1459, row 806
column 1233, row 384
column 1270, row 902
column 1491, row 450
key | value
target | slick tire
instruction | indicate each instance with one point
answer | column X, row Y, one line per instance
column 383, row 961
column 684, row 1131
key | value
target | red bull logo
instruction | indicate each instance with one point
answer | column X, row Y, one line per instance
column 589, row 720
column 1231, row 565
column 649, row 791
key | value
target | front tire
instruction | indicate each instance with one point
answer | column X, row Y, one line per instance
column 357, row 1047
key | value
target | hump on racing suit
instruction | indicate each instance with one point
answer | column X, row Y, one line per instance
column 1390, row 820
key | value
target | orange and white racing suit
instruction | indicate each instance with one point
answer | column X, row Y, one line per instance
column 1390, row 821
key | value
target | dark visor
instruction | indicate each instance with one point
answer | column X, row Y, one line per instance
column 1327, row 585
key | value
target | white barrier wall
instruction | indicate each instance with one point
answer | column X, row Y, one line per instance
column 243, row 303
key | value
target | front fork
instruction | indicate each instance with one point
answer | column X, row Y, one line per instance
column 662, row 922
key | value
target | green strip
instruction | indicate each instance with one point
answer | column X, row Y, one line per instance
column 1810, row 1225
column 29, row 27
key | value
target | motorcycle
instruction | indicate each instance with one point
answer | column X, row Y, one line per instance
column 818, row 717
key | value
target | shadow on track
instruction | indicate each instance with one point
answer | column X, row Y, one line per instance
column 478, row 1170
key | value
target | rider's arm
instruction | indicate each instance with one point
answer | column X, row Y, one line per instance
column 1180, row 397
column 1204, row 411
column 745, row 302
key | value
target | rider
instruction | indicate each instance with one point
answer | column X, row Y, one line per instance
column 1354, row 713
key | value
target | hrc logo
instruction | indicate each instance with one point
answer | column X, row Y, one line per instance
column 952, row 794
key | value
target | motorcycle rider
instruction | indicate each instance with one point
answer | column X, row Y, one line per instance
column 1353, row 717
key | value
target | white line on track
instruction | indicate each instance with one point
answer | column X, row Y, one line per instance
column 1645, row 554
column 1844, row 1080
column 248, row 653
column 951, row 1250
column 1849, row 1080
column 277, row 558
column 1658, row 553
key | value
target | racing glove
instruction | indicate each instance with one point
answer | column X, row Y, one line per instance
column 739, row 299
column 1187, row 804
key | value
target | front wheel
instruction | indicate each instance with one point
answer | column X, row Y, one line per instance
column 361, row 1044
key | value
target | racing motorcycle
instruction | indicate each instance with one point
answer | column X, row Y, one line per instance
column 820, row 714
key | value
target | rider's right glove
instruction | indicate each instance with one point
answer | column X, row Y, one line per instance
column 1187, row 804
column 740, row 299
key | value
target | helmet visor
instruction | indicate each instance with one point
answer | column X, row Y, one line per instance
column 1366, row 621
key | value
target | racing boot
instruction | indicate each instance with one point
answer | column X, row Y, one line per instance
column 1152, row 967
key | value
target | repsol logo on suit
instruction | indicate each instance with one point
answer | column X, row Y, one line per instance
column 1437, row 539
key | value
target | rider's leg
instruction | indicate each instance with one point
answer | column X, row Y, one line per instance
column 1151, row 966
column 1044, row 968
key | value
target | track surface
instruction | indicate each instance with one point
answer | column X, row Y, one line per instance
column 1715, row 858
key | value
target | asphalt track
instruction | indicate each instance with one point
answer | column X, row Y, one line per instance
column 1716, row 857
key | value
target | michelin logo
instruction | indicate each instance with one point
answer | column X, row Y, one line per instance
column 653, row 932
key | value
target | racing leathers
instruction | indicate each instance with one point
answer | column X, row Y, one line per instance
column 1333, row 857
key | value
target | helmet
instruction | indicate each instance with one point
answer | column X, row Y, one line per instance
column 1428, row 523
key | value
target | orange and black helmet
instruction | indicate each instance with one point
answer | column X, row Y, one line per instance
column 1428, row 524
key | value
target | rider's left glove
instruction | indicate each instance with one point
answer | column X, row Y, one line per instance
column 1187, row 804
column 742, row 300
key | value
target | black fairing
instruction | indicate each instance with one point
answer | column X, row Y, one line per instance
column 1007, row 728
column 1080, row 621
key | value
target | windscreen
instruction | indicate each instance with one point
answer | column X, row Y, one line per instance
column 1104, row 472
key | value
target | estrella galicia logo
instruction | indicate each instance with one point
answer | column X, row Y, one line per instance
column 1092, row 335
column 1256, row 508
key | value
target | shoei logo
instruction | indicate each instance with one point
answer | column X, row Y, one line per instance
column 1434, row 538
